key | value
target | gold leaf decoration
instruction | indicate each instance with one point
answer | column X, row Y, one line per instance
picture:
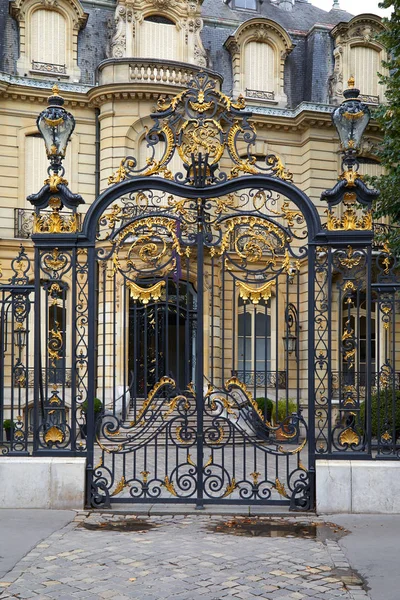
column 280, row 488
column 144, row 295
column 170, row 486
column 230, row 488
column 53, row 435
column 119, row 487
column 349, row 437
column 255, row 294
column 349, row 221
column 157, row 386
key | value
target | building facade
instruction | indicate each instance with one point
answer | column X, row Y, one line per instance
column 289, row 63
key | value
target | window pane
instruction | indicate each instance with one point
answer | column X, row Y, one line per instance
column 251, row 4
column 259, row 67
column 244, row 324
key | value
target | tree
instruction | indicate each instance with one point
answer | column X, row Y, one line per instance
column 388, row 117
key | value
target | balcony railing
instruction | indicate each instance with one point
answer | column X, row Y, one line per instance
column 260, row 95
column 49, row 377
column 147, row 70
column 44, row 67
column 270, row 379
column 23, row 221
column 359, row 380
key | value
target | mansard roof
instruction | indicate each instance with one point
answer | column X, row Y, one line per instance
column 302, row 17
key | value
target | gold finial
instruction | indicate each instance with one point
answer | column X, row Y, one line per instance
column 55, row 90
column 351, row 82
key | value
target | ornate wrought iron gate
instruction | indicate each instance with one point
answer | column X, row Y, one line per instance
column 187, row 337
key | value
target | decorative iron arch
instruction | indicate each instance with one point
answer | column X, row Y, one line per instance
column 147, row 183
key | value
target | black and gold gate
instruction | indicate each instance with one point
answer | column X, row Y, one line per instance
column 199, row 285
column 202, row 337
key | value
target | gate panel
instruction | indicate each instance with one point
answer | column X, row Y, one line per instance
column 199, row 350
column 16, row 381
column 146, row 440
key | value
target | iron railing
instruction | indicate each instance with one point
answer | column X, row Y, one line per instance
column 23, row 221
column 45, row 67
column 271, row 379
column 260, row 94
column 59, row 375
column 359, row 381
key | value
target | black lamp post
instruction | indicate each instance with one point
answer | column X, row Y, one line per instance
column 56, row 126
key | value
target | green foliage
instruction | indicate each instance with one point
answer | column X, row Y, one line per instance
column 285, row 409
column 262, row 402
column 378, row 412
column 388, row 117
column 98, row 406
column 8, row 424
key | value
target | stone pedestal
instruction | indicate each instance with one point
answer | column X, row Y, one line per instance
column 42, row 482
column 358, row 486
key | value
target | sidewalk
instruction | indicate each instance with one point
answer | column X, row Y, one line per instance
column 193, row 557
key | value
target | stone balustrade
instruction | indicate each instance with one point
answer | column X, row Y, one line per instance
column 148, row 71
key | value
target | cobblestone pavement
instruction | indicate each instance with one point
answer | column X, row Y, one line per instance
column 182, row 558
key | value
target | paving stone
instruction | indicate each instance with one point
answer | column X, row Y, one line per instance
column 180, row 559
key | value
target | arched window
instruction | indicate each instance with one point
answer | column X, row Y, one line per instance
column 254, row 343
column 369, row 166
column 36, row 164
column 159, row 38
column 259, row 48
column 48, row 39
column 365, row 64
column 259, row 69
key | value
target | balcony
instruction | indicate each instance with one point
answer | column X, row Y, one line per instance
column 269, row 379
column 148, row 71
column 23, row 221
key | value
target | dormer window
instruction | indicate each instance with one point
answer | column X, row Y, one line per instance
column 48, row 42
column 359, row 53
column 245, row 4
column 259, row 48
column 48, row 37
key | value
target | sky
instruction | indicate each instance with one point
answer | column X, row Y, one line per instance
column 354, row 7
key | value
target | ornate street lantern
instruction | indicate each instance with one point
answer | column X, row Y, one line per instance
column 56, row 126
column 351, row 119
column 290, row 343
column 20, row 336
column 292, row 329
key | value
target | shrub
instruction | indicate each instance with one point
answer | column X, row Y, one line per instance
column 378, row 418
column 98, row 406
column 266, row 406
column 285, row 409
column 8, row 424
